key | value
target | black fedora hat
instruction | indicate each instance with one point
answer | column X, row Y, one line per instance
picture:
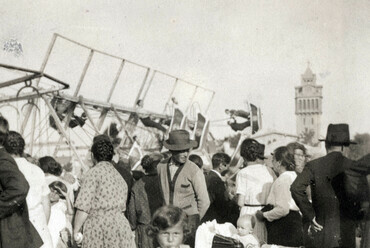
column 179, row 140
column 338, row 134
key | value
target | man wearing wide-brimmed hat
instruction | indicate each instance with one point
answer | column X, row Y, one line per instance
column 330, row 227
column 182, row 182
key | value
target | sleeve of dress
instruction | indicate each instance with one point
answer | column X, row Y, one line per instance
column 88, row 190
column 299, row 192
column 241, row 185
column 13, row 188
column 282, row 199
column 201, row 193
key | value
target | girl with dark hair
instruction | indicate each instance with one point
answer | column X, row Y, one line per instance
column 61, row 207
column 282, row 214
column 50, row 166
column 253, row 183
column 101, row 203
column 53, row 171
column 38, row 194
column 169, row 226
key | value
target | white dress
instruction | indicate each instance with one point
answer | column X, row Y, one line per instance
column 58, row 221
column 254, row 183
column 38, row 189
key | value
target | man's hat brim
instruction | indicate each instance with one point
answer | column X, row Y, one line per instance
column 344, row 144
column 180, row 147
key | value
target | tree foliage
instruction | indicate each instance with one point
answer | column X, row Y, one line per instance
column 362, row 148
column 307, row 138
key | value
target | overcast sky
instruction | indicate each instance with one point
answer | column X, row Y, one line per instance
column 244, row 50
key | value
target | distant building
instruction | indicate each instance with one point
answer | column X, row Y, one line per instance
column 308, row 107
column 272, row 139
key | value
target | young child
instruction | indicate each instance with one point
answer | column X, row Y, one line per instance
column 169, row 226
column 245, row 235
column 59, row 226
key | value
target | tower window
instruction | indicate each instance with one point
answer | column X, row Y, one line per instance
column 312, row 121
column 304, row 104
column 308, row 104
column 317, row 104
column 312, row 104
column 304, row 121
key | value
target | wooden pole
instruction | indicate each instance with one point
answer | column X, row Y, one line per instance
column 61, row 130
column 28, row 113
column 142, row 87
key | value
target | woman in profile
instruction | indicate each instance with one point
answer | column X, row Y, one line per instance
column 101, row 204
column 282, row 214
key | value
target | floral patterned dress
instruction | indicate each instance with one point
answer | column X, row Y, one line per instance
column 103, row 196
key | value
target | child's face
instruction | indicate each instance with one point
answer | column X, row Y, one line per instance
column 171, row 237
column 231, row 187
column 244, row 227
column 54, row 195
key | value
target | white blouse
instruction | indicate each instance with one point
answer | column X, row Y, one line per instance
column 280, row 197
column 36, row 179
column 254, row 182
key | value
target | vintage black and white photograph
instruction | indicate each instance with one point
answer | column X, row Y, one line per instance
column 185, row 124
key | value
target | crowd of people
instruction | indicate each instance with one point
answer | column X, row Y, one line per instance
column 174, row 203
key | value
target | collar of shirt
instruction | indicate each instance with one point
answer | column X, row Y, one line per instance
column 218, row 174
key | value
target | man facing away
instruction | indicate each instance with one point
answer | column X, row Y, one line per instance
column 16, row 230
column 217, row 190
column 331, row 228
column 182, row 182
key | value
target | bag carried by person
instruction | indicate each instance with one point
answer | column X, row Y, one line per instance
column 220, row 241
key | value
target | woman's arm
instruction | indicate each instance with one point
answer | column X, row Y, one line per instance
column 46, row 206
column 69, row 206
column 241, row 187
column 68, row 200
column 80, row 219
column 241, row 200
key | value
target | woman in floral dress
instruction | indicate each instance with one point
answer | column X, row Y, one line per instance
column 101, row 204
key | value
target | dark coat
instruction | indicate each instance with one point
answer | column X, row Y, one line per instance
column 16, row 231
column 218, row 196
column 337, row 230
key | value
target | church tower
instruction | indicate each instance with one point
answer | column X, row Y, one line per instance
column 308, row 106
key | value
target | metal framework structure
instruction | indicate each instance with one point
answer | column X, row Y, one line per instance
column 37, row 95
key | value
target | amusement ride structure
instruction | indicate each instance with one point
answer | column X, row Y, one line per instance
column 80, row 92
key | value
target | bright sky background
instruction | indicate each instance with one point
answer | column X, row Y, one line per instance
column 244, row 50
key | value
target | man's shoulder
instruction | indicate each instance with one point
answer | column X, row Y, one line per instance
column 162, row 164
column 212, row 176
column 328, row 159
column 191, row 167
column 5, row 157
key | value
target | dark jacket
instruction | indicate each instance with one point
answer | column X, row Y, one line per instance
column 319, row 174
column 217, row 195
column 125, row 173
column 16, row 231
